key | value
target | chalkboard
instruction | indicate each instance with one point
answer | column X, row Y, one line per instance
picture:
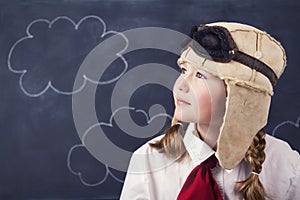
column 46, row 120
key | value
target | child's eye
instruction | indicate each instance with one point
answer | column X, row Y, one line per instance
column 183, row 70
column 199, row 75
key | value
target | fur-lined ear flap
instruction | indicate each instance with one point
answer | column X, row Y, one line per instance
column 241, row 123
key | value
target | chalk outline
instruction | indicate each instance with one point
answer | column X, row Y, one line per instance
column 49, row 85
column 296, row 124
column 108, row 172
column 79, row 174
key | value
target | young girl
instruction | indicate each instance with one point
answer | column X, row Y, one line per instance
column 216, row 147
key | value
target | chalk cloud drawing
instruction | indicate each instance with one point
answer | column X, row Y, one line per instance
column 82, row 147
column 37, row 56
column 103, row 172
column 288, row 131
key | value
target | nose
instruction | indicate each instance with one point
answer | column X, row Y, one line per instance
column 183, row 85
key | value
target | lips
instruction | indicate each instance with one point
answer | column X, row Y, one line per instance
column 182, row 102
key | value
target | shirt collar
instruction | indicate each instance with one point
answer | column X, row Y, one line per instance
column 198, row 150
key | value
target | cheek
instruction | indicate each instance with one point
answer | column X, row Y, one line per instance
column 203, row 102
column 210, row 100
column 217, row 99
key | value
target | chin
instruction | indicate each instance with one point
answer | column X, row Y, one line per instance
column 185, row 117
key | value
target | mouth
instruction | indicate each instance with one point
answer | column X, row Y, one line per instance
column 180, row 101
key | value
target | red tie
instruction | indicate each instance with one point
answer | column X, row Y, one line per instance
column 200, row 184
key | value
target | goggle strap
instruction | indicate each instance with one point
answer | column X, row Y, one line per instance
column 257, row 65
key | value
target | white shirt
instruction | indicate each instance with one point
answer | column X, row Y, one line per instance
column 153, row 176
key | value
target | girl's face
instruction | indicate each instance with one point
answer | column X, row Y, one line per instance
column 199, row 96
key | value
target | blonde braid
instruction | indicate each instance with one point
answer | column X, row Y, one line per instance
column 251, row 188
column 172, row 143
